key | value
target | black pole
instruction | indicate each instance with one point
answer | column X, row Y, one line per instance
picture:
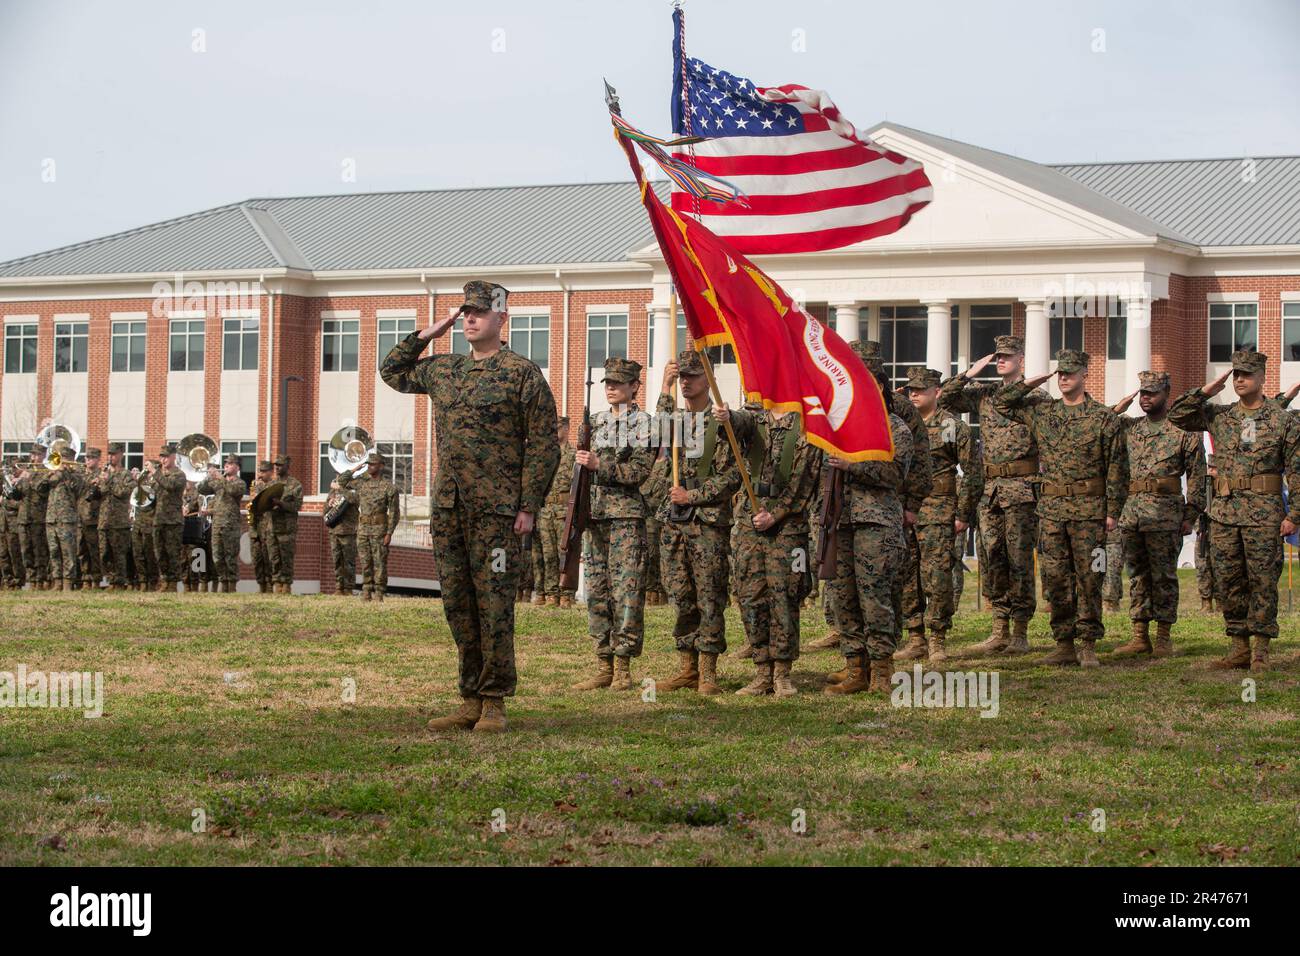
column 284, row 412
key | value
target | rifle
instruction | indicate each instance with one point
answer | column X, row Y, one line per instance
column 832, row 505
column 579, row 510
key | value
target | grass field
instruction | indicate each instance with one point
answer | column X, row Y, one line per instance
column 234, row 706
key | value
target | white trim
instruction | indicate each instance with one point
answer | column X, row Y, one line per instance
column 623, row 309
column 340, row 314
column 128, row 317
column 186, row 314
column 529, row 311
column 22, row 319
column 406, row 313
column 71, row 316
column 1220, row 297
column 1291, row 296
column 241, row 313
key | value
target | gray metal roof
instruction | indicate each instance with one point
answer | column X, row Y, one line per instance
column 1044, row 179
column 519, row 225
column 1214, row 202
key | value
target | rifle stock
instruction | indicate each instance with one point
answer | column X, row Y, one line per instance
column 579, row 511
column 832, row 505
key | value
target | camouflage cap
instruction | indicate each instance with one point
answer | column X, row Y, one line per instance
column 485, row 296
column 1008, row 345
column 622, row 370
column 1071, row 360
column 167, row 449
column 918, row 377
column 374, row 458
column 231, row 459
column 1245, row 361
column 263, row 465
column 93, row 453
column 869, row 352
column 115, row 448
column 1153, row 381
column 690, row 363
column 282, row 460
column 562, row 421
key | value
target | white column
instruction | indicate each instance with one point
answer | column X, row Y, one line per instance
column 661, row 331
column 846, row 320
column 938, row 337
column 1137, row 344
column 1038, row 352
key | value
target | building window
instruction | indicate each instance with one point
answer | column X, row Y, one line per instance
column 338, row 349
column 903, row 340
column 606, row 338
column 20, row 348
column 1291, row 331
column 17, row 452
column 401, row 460
column 132, row 454
column 247, row 452
column 1066, row 330
column 327, row 472
column 1116, row 329
column 717, row 354
column 392, row 331
column 70, row 341
column 1234, row 327
column 128, row 346
column 239, row 338
column 187, row 345
column 530, row 336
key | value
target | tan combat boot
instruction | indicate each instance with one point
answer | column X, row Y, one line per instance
column 856, row 677
column 1110, row 607
column 539, row 600
column 994, row 643
column 1064, row 655
column 782, row 686
column 1259, row 659
column 915, row 649
column 1018, row 643
column 881, row 672
column 761, row 684
column 566, row 601
column 67, row 585
column 938, row 653
column 551, row 601
column 493, row 720
column 1164, row 643
column 746, row 653
column 688, row 673
column 379, row 596
column 651, row 598
column 1088, row 654
column 367, row 594
column 603, row 677
column 1238, row 656
column 1207, row 606
column 464, row 718
column 622, row 674
column 708, row 674
column 841, row 675
column 1139, row 644
column 828, row 643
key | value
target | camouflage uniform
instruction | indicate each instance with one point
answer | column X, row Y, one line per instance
column 115, row 487
column 1252, row 450
column 378, row 512
column 772, row 566
column 261, row 536
column 871, row 555
column 1007, row 516
column 284, row 526
column 694, row 546
column 653, row 489
column 226, row 526
column 168, row 486
column 343, row 536
column 33, row 493
column 1085, row 481
column 6, row 569
column 495, row 423
column 194, row 572
column 550, row 526
column 88, row 511
column 63, row 524
column 1159, row 454
column 1112, row 582
column 142, row 543
column 928, row 602
column 616, row 549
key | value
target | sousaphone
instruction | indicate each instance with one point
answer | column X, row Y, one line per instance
column 349, row 449
column 63, row 445
column 194, row 453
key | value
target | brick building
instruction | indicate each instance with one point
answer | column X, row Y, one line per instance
column 262, row 323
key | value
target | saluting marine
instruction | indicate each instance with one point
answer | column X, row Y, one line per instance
column 1256, row 441
column 494, row 418
column 1155, row 517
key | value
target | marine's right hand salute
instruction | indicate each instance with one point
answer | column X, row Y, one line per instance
column 438, row 329
column 1212, row 388
column 979, row 366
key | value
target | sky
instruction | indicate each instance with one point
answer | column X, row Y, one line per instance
column 116, row 115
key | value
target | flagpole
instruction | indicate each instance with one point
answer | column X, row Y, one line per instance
column 672, row 357
column 731, row 435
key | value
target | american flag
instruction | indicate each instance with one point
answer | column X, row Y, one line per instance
column 813, row 181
